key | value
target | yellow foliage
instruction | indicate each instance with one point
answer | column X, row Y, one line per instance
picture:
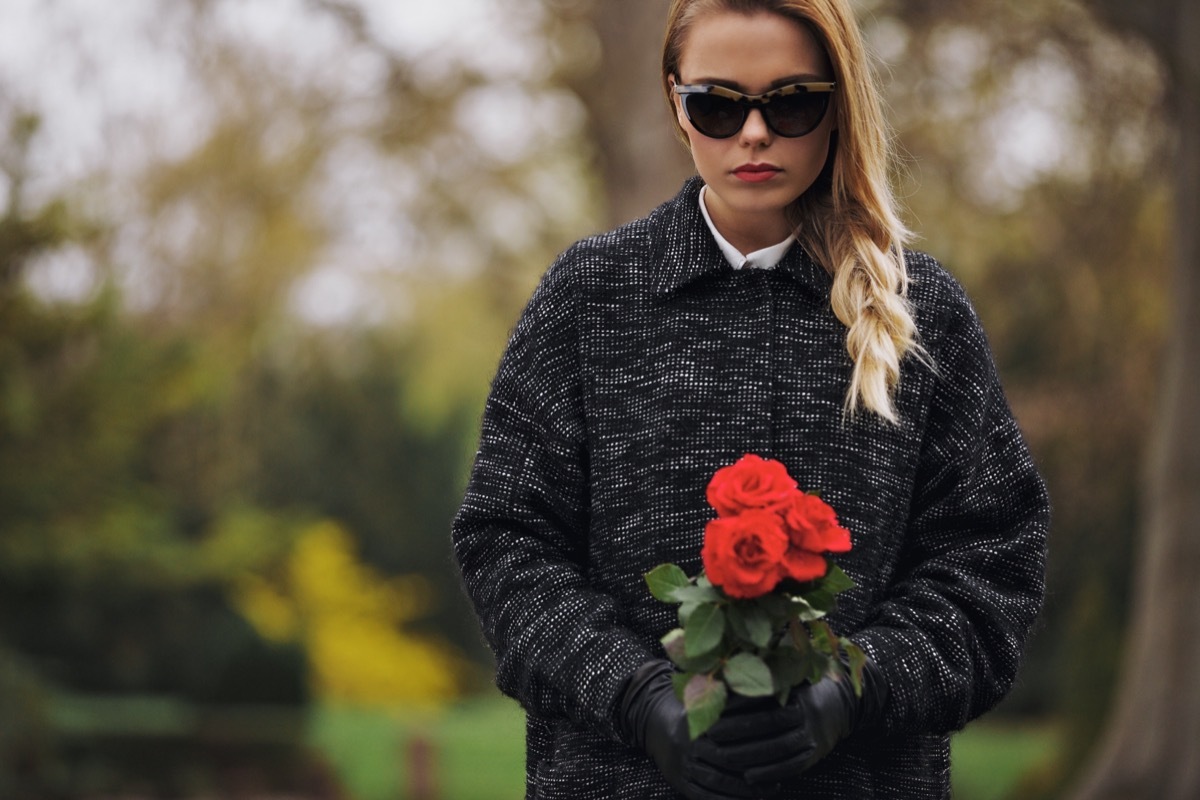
column 350, row 620
column 271, row 614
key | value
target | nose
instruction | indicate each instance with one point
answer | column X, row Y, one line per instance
column 755, row 130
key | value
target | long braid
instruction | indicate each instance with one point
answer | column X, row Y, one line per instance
column 849, row 223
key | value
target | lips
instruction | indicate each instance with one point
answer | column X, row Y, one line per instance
column 756, row 173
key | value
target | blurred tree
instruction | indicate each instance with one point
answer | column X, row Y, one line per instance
column 102, row 565
column 1152, row 745
column 177, row 428
column 353, row 623
column 178, row 442
column 337, row 436
column 135, row 443
column 616, row 69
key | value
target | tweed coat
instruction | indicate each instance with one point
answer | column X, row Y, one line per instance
column 642, row 363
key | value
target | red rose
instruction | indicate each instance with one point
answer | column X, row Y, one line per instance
column 813, row 526
column 801, row 565
column 744, row 554
column 750, row 482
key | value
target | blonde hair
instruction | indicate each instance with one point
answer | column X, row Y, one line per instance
column 847, row 220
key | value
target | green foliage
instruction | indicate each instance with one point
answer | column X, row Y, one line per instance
column 749, row 676
column 474, row 750
column 664, row 579
column 704, row 697
column 704, row 630
column 159, row 451
column 992, row 760
column 759, row 647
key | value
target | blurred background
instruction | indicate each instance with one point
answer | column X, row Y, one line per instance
column 258, row 260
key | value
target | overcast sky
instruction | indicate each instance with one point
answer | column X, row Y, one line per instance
column 109, row 82
column 110, row 85
column 91, row 68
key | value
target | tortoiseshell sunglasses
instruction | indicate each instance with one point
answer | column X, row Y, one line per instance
column 789, row 111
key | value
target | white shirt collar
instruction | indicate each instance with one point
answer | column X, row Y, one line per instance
column 767, row 258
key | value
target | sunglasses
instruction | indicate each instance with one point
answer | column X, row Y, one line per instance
column 789, row 111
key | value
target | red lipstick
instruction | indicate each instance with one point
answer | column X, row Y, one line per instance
column 756, row 173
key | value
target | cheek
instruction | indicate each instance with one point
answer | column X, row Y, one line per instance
column 705, row 154
column 695, row 141
column 825, row 146
column 682, row 117
column 704, row 148
column 812, row 150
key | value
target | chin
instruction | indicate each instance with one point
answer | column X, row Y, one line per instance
column 759, row 201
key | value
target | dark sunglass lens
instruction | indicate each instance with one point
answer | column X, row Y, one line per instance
column 718, row 117
column 797, row 114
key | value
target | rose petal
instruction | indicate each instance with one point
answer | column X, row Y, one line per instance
column 801, row 565
column 751, row 482
column 743, row 554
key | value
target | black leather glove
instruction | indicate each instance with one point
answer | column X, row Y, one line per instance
column 774, row 744
column 653, row 718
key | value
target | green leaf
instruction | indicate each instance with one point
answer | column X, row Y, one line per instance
column 823, row 637
column 705, row 629
column 776, row 606
column 664, row 579
column 759, row 626
column 799, row 637
column 836, row 580
column 679, row 681
column 695, row 594
column 704, row 698
column 673, row 645
column 735, row 618
column 749, row 676
column 686, row 610
column 819, row 665
column 804, row 611
column 789, row 667
column 858, row 660
column 820, row 600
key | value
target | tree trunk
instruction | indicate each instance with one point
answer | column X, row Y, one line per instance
column 641, row 163
column 1152, row 745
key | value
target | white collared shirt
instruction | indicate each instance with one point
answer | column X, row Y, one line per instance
column 767, row 258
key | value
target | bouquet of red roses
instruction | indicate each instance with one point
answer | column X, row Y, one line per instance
column 752, row 621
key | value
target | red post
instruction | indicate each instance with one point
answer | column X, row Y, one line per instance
column 422, row 769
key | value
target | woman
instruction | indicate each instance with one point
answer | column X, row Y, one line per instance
column 768, row 308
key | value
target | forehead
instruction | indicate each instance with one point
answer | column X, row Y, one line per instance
column 750, row 52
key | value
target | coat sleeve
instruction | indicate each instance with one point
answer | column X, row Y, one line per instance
column 520, row 535
column 951, row 626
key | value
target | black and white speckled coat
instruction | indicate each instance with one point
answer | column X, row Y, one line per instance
column 644, row 362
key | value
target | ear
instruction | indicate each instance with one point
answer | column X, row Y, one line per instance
column 677, row 101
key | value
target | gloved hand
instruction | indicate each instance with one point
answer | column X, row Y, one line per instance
column 774, row 744
column 654, row 719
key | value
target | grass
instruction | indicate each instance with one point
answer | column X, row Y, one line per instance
column 478, row 750
column 989, row 758
column 471, row 751
column 475, row 750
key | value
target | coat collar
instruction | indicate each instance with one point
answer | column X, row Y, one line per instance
column 689, row 251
